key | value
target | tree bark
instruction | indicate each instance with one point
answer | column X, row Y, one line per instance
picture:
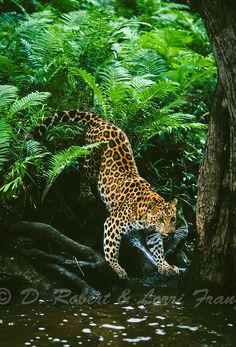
column 215, row 261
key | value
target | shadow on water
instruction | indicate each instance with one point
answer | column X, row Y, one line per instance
column 131, row 323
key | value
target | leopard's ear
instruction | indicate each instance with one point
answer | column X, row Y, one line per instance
column 173, row 202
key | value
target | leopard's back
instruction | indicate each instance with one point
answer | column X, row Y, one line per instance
column 113, row 163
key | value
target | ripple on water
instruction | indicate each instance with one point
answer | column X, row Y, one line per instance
column 92, row 324
column 160, row 332
column 112, row 326
column 107, row 324
column 87, row 331
column 188, row 327
column 128, row 307
column 142, row 307
column 137, row 339
column 135, row 320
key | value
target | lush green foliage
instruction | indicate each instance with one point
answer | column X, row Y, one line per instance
column 146, row 65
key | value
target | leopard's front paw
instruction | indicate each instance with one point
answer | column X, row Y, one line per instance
column 168, row 270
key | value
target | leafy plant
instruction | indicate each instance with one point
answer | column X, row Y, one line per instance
column 21, row 174
column 61, row 161
column 5, row 138
column 29, row 101
column 145, row 65
column 7, row 95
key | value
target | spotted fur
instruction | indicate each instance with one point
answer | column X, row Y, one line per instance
column 131, row 201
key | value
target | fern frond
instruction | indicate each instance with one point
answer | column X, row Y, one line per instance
column 118, row 98
column 74, row 18
column 9, row 18
column 8, row 66
column 175, row 6
column 5, row 137
column 27, row 47
column 7, row 95
column 65, row 131
column 166, row 123
column 14, row 180
column 62, row 160
column 175, row 104
column 159, row 90
column 90, row 80
column 35, row 20
column 32, row 99
column 35, row 148
column 140, row 82
column 114, row 74
column 144, row 97
column 115, row 84
column 147, row 62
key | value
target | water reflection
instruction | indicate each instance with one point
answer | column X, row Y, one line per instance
column 117, row 325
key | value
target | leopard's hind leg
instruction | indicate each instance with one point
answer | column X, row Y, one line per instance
column 90, row 166
column 86, row 176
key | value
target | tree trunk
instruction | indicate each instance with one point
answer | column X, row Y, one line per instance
column 215, row 261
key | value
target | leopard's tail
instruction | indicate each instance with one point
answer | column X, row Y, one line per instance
column 71, row 116
column 74, row 116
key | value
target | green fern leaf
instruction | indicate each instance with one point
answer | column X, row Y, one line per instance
column 74, row 18
column 114, row 74
column 140, row 82
column 33, row 99
column 35, row 149
column 144, row 97
column 5, row 137
column 90, row 80
column 147, row 62
column 62, row 160
column 7, row 95
column 36, row 20
column 159, row 89
column 163, row 123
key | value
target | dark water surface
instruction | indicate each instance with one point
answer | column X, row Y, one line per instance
column 130, row 323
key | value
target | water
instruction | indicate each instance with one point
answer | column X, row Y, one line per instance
column 118, row 324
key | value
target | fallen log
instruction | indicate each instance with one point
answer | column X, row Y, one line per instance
column 85, row 269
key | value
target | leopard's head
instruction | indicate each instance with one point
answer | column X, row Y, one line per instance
column 162, row 216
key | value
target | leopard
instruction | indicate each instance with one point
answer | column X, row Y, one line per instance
column 131, row 201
